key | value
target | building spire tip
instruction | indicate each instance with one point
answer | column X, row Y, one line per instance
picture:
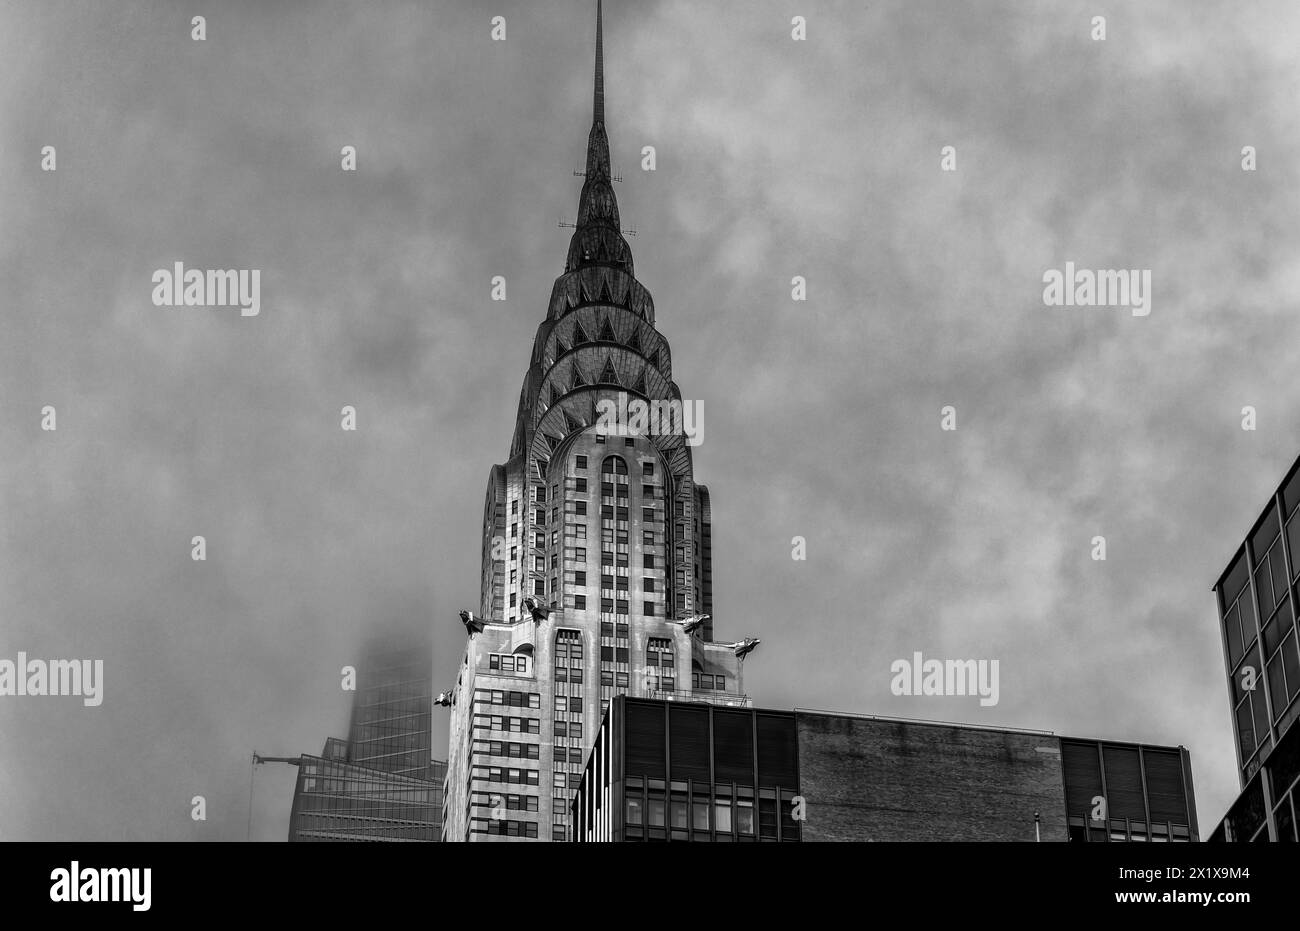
column 598, row 105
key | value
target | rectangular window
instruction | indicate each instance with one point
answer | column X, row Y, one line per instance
column 647, row 468
column 600, row 437
column 581, row 463
column 512, row 599
column 628, row 442
column 621, row 608
column 648, row 538
column 656, row 812
column 514, row 506
column 580, row 485
column 647, row 514
column 722, row 816
column 648, row 561
column 580, row 578
column 580, row 533
column 700, row 819
column 580, row 553
column 539, row 564
column 580, row 507
column 539, row 587
column 634, row 812
column 648, row 608
column 580, row 602
column 648, row 491
column 648, row 584
column 621, row 679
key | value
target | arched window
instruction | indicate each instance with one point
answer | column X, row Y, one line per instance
column 613, row 465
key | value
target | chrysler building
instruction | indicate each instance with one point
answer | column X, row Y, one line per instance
column 596, row 577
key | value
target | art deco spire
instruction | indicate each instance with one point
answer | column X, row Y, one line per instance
column 597, row 239
column 598, row 106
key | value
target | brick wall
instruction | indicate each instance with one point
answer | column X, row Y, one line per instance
column 866, row 779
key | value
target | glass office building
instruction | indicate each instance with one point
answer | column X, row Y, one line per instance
column 335, row 800
column 392, row 711
column 1256, row 598
column 381, row 783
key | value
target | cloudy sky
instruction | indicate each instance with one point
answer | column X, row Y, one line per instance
column 776, row 158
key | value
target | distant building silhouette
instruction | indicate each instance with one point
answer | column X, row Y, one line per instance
column 380, row 784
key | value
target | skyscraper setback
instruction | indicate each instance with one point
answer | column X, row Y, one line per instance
column 593, row 544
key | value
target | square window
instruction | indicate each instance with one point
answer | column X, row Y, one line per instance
column 647, row 514
column 600, row 437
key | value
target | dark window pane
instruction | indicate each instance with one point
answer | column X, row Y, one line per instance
column 1276, row 685
column 1264, row 585
column 1232, row 625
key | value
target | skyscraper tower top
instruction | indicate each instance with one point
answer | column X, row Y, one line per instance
column 594, row 544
